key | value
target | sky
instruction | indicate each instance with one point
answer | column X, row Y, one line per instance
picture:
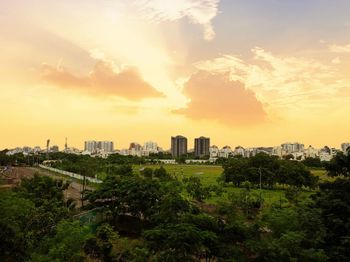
column 242, row 72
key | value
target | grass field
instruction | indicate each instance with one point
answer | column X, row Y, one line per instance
column 209, row 175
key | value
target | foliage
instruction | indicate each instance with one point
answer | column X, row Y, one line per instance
column 66, row 245
column 267, row 171
column 339, row 165
column 334, row 202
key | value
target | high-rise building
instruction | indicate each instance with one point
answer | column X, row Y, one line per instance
column 201, row 146
column 135, row 146
column 151, row 147
column 105, row 146
column 178, row 146
column 96, row 146
column 289, row 148
column 90, row 146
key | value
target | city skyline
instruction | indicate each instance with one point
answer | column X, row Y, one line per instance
column 240, row 72
column 97, row 144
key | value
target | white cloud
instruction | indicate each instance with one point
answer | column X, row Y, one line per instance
column 283, row 82
column 336, row 61
column 200, row 12
column 340, row 48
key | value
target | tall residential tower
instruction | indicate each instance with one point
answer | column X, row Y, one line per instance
column 178, row 146
column 201, row 146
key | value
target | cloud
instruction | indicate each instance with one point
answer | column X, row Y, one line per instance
column 200, row 12
column 216, row 97
column 283, row 82
column 105, row 79
column 340, row 48
column 336, row 61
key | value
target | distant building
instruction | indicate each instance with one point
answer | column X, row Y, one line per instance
column 326, row 154
column 90, row 146
column 135, row 146
column 239, row 151
column 178, row 146
column 225, row 152
column 289, row 148
column 54, row 149
column 151, row 147
column 94, row 147
column 214, row 152
column 345, row 147
column 277, row 151
column 105, row 146
column 201, row 146
column 311, row 152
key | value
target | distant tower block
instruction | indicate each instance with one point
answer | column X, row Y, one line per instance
column 47, row 148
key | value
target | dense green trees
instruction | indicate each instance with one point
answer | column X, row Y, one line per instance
column 153, row 216
column 29, row 214
column 267, row 171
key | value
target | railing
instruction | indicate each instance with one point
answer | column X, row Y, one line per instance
column 73, row 175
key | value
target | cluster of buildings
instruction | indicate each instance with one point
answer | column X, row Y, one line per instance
column 296, row 151
column 202, row 151
column 135, row 149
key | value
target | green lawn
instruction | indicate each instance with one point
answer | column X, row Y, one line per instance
column 207, row 173
column 322, row 174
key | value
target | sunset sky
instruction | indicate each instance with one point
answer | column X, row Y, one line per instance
column 243, row 72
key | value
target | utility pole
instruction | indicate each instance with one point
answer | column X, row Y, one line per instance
column 260, row 184
column 83, row 191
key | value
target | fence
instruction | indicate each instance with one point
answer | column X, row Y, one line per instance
column 73, row 175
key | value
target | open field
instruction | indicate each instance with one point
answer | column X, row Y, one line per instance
column 207, row 173
column 210, row 173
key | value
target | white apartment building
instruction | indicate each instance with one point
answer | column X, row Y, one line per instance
column 94, row 147
column 289, row 148
column 225, row 152
column 214, row 152
column 311, row 152
column 105, row 146
column 277, row 151
column 239, row 151
column 326, row 153
column 344, row 147
column 151, row 147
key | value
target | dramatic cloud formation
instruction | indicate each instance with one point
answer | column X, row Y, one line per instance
column 200, row 12
column 216, row 97
column 282, row 82
column 340, row 48
column 105, row 79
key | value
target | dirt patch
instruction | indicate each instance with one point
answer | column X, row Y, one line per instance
column 13, row 176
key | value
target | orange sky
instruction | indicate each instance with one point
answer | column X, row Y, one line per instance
column 241, row 73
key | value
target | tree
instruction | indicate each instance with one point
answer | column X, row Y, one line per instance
column 195, row 188
column 161, row 173
column 334, row 202
column 234, row 171
column 179, row 242
column 147, row 172
column 15, row 241
column 66, row 245
column 339, row 165
column 101, row 245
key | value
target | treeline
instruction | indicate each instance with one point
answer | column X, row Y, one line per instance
column 267, row 171
column 153, row 216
